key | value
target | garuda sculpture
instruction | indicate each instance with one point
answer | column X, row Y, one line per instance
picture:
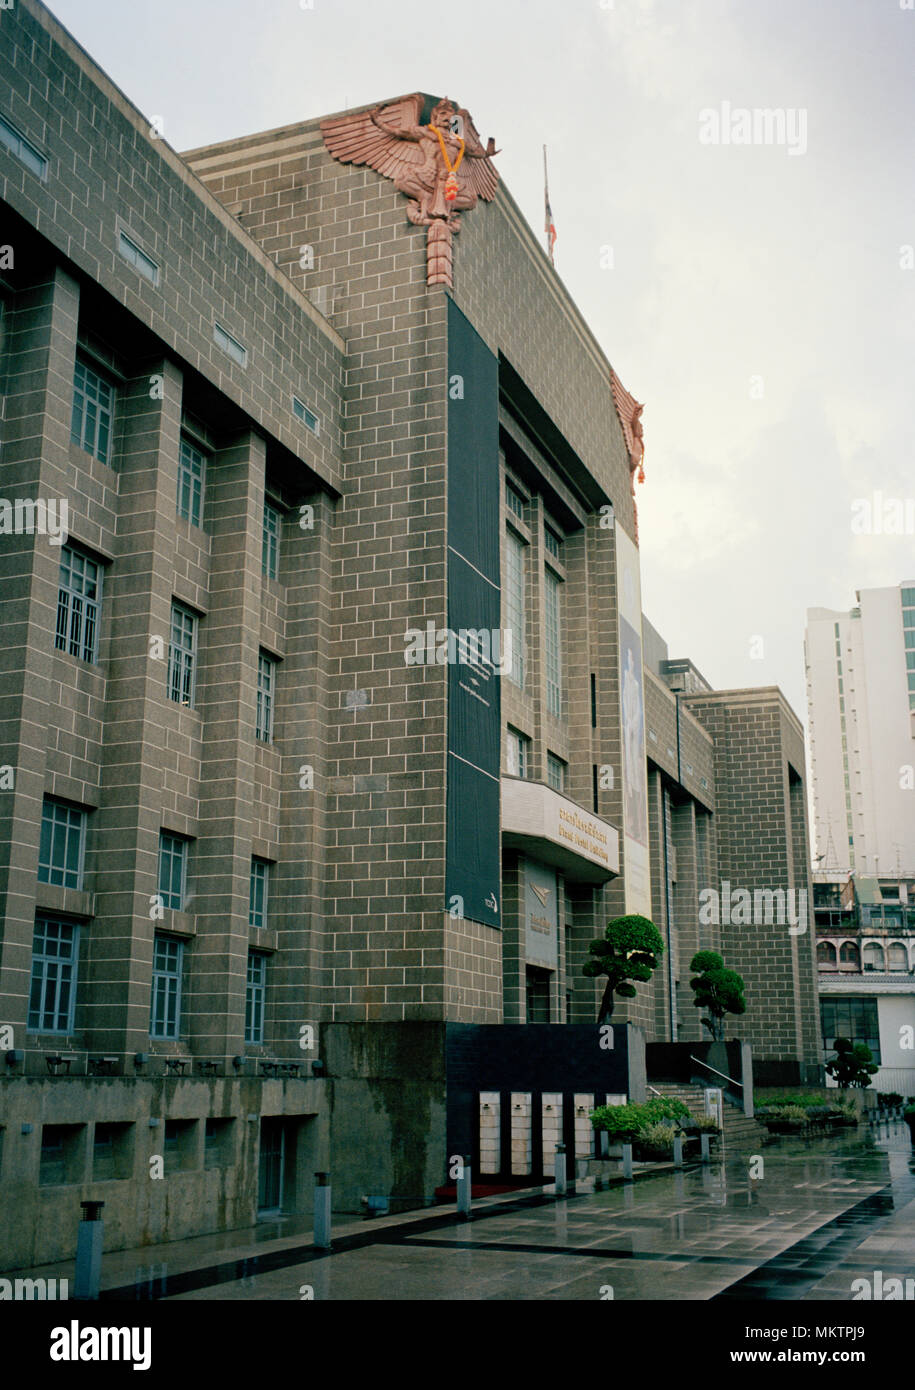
column 442, row 167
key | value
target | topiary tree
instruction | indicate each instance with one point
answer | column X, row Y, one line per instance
column 717, row 989
column 852, row 1065
column 628, row 950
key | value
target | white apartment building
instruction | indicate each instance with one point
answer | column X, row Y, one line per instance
column 861, row 708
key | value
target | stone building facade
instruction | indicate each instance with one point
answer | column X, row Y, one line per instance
column 241, row 896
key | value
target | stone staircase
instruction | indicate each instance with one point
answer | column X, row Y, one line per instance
column 740, row 1132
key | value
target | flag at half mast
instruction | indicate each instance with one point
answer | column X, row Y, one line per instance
column 550, row 226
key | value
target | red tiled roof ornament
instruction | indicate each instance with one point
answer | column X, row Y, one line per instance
column 630, row 416
column 442, row 167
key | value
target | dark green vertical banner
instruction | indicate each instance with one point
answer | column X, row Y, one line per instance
column 473, row 863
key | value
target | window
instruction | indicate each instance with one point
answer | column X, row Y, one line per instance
column 897, row 957
column 873, row 957
column 257, row 901
column 308, row 417
column 848, row 954
column 60, row 854
column 52, row 995
column 191, row 465
column 850, row 1018
column 172, row 870
column 514, row 501
column 142, row 263
column 165, row 1013
column 254, row 997
column 518, row 754
column 182, row 655
column 78, row 598
column 555, row 772
column 553, row 542
column 229, row 345
column 266, row 681
column 826, row 954
column 23, row 149
column 270, row 546
column 514, row 604
column 93, row 408
column 553, row 651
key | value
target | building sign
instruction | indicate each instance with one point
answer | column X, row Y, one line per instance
column 585, row 835
column 637, row 881
column 473, row 862
column 541, row 914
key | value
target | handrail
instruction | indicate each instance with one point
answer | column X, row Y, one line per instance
column 654, row 1090
column 699, row 1062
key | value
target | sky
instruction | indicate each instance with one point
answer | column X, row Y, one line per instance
column 758, row 297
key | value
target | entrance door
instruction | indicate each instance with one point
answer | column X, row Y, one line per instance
column 270, row 1169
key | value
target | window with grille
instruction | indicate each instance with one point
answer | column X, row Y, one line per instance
column 52, row 994
column 266, row 682
column 855, row 1019
column 182, row 655
column 191, row 467
column 60, row 853
column 255, row 995
column 172, row 870
column 553, row 645
column 78, row 602
column 270, row 546
column 93, row 411
column 513, row 599
column 165, row 1011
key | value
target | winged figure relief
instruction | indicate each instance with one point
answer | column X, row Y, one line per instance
column 442, row 167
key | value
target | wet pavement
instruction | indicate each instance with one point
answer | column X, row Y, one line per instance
column 819, row 1215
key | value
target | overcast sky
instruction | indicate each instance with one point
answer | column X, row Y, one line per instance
column 760, row 302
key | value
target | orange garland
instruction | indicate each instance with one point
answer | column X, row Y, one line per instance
column 451, row 184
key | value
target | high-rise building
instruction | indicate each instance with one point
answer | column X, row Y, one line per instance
column 861, row 708
column 333, row 733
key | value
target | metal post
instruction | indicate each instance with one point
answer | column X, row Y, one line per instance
column 464, row 1192
column 559, row 1170
column 678, row 1151
column 627, row 1162
column 322, row 1211
column 703, row 1139
column 89, row 1251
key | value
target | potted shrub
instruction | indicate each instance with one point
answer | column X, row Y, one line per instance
column 655, row 1142
column 621, row 1124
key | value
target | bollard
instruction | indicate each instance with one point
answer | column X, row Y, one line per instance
column 464, row 1191
column 703, row 1139
column 559, row 1170
column 627, row 1162
column 678, row 1151
column 604, row 1141
column 322, row 1211
column 89, row 1251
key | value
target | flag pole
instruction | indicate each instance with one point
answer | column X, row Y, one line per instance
column 549, row 229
